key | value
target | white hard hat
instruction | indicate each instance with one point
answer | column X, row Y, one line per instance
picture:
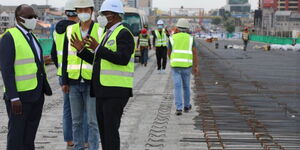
column 83, row 3
column 183, row 23
column 113, row 6
column 69, row 5
column 160, row 22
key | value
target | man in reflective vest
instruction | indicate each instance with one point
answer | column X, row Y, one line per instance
column 77, row 74
column 183, row 58
column 145, row 44
column 245, row 37
column 25, row 79
column 113, row 68
column 56, row 56
column 160, row 39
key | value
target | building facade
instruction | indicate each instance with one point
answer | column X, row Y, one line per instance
column 98, row 4
column 238, row 8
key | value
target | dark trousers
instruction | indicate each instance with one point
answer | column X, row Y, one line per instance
column 109, row 113
column 22, row 129
column 245, row 44
column 161, row 56
column 144, row 57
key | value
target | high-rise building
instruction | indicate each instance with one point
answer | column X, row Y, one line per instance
column 145, row 5
column 98, row 4
column 281, row 5
column 238, row 8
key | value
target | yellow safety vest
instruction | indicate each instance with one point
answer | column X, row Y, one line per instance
column 113, row 75
column 161, row 39
column 59, row 43
column 25, row 65
column 182, row 50
column 144, row 41
column 77, row 66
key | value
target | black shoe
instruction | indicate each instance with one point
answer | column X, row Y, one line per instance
column 187, row 109
column 178, row 112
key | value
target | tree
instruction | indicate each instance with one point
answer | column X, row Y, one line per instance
column 216, row 21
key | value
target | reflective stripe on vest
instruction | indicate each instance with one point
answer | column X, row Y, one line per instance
column 24, row 65
column 144, row 41
column 161, row 39
column 59, row 43
column 77, row 65
column 113, row 75
column 182, row 51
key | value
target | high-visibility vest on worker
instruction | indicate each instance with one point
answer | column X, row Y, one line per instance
column 144, row 41
column 161, row 39
column 76, row 66
column 182, row 50
column 245, row 35
column 25, row 66
column 113, row 75
column 59, row 43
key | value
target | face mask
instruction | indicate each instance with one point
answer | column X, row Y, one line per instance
column 102, row 20
column 160, row 26
column 84, row 17
column 29, row 23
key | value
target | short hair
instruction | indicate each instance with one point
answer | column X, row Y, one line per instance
column 18, row 9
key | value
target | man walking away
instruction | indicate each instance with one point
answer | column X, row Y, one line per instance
column 145, row 45
column 25, row 79
column 183, row 58
column 245, row 37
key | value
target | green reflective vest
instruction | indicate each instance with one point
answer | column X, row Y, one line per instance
column 182, row 51
column 24, row 66
column 76, row 66
column 161, row 39
column 59, row 43
column 113, row 75
column 144, row 41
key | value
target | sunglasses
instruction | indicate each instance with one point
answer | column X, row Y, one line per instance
column 71, row 13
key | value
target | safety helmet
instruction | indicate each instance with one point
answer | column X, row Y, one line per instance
column 160, row 22
column 83, row 3
column 113, row 6
column 183, row 23
column 69, row 6
column 144, row 31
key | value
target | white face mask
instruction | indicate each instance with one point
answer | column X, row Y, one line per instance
column 102, row 20
column 29, row 23
column 84, row 17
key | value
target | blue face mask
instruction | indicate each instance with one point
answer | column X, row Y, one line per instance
column 160, row 26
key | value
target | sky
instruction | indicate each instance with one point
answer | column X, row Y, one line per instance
column 161, row 4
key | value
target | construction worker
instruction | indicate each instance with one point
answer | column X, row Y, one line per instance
column 183, row 58
column 145, row 44
column 56, row 56
column 245, row 37
column 24, row 78
column 160, row 39
column 77, row 74
column 113, row 69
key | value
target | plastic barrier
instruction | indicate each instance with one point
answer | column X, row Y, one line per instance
column 46, row 46
column 274, row 39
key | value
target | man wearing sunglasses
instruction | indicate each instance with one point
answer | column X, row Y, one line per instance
column 24, row 79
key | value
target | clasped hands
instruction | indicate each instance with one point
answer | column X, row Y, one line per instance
column 88, row 42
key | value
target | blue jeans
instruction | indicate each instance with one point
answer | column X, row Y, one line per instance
column 181, row 81
column 144, row 55
column 67, row 118
column 80, row 101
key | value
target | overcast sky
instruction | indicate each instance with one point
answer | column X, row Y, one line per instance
column 162, row 4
